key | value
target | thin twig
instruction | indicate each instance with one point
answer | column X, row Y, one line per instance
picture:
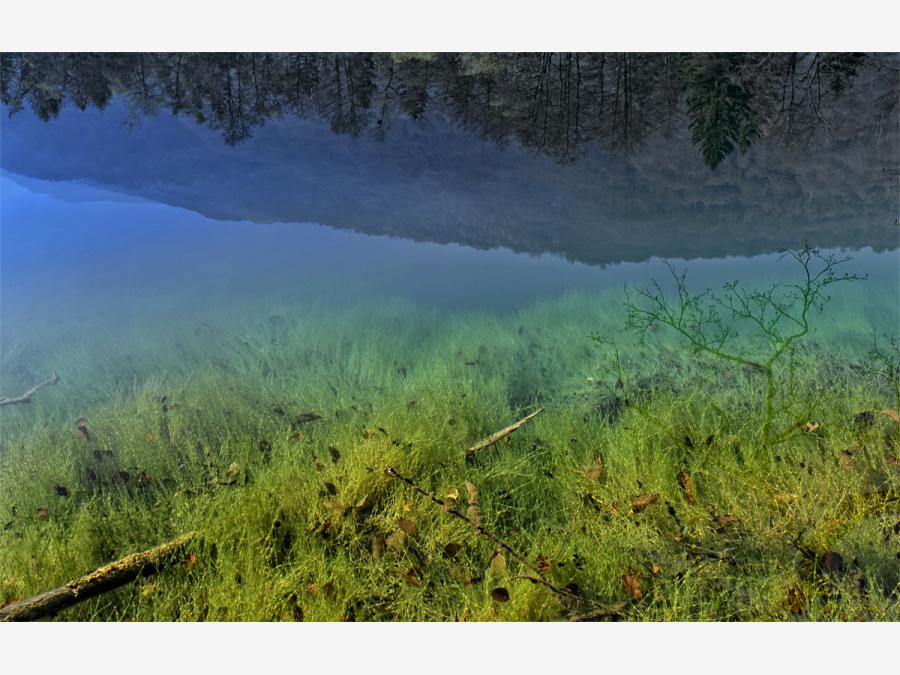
column 26, row 397
column 503, row 433
column 391, row 471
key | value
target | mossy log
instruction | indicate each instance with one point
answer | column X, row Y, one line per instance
column 102, row 580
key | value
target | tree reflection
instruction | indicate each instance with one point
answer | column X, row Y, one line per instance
column 554, row 103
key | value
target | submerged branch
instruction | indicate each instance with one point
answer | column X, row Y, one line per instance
column 503, row 433
column 600, row 609
column 26, row 397
column 107, row 578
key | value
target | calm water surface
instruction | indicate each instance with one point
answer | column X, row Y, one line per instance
column 139, row 216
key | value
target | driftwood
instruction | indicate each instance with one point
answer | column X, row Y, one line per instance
column 106, row 578
column 26, row 397
column 503, row 433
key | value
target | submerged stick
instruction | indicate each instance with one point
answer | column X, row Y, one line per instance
column 503, row 433
column 102, row 580
column 540, row 579
column 26, row 397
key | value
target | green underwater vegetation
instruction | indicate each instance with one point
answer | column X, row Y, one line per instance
column 320, row 457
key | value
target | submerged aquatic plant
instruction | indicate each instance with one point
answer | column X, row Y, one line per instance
column 775, row 319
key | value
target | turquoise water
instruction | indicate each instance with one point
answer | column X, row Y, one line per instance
column 126, row 227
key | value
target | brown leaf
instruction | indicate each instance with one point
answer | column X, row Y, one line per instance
column 594, row 470
column 412, row 577
column 368, row 433
column 81, row 425
column 641, row 502
column 796, row 600
column 150, row 438
column 377, row 548
column 328, row 589
column 724, row 521
column 632, row 583
column 43, row 514
column 459, row 574
column 893, row 414
column 298, row 436
column 810, row 427
column 833, row 562
column 452, row 549
column 473, row 515
column 396, row 541
column 303, row 418
column 500, row 594
column 686, row 483
column 543, row 564
column 846, row 460
column 407, row 526
column 473, row 493
column 189, row 561
column 655, row 569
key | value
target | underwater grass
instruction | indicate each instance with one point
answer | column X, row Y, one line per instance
column 209, row 427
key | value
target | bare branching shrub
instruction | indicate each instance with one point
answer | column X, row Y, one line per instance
column 756, row 328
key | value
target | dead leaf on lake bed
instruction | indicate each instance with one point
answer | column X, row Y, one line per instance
column 412, row 577
column 396, row 541
column 498, row 564
column 408, row 526
column 452, row 549
column 632, row 583
column 377, row 548
column 832, row 562
column 594, row 470
column 500, row 594
column 796, row 600
column 543, row 564
column 724, row 521
column 473, row 515
column 641, row 502
column 686, row 483
column 452, row 494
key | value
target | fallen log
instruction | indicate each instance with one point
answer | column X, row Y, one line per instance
column 26, row 397
column 503, row 433
column 102, row 580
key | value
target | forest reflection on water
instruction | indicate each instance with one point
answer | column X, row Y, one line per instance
column 598, row 158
